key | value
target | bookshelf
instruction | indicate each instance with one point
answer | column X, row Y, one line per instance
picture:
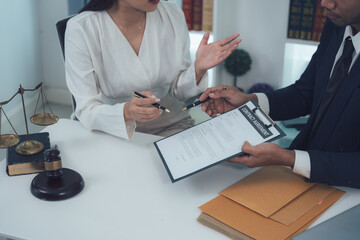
column 305, row 21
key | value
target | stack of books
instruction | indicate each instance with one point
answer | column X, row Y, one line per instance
column 272, row 203
column 306, row 19
column 199, row 14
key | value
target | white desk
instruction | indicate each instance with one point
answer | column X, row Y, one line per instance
column 127, row 194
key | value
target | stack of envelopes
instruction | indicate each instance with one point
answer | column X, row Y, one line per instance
column 271, row 203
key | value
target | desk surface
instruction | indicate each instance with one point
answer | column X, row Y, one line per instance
column 127, row 194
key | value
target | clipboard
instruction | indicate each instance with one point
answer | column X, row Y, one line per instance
column 215, row 140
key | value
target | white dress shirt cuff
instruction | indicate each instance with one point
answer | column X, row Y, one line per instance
column 263, row 102
column 130, row 128
column 302, row 163
column 203, row 84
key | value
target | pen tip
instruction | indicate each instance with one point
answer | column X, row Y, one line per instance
column 184, row 108
column 167, row 110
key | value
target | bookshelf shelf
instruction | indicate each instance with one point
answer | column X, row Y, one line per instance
column 301, row 42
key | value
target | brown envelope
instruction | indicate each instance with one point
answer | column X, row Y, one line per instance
column 232, row 233
column 259, row 227
column 302, row 204
column 212, row 223
column 267, row 190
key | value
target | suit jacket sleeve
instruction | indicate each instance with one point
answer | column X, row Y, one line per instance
column 335, row 168
column 334, row 149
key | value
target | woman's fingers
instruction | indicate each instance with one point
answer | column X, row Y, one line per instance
column 229, row 39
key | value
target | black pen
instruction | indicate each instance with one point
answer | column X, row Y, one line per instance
column 138, row 95
column 196, row 103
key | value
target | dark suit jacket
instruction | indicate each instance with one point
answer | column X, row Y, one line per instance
column 334, row 149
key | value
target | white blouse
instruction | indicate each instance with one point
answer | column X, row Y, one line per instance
column 102, row 69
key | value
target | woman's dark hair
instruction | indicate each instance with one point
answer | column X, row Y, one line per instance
column 98, row 5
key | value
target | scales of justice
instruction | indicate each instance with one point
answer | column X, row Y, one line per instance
column 56, row 182
column 27, row 147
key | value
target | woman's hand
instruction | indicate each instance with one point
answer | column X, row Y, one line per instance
column 138, row 109
column 210, row 55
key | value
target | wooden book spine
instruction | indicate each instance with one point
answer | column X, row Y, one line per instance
column 207, row 15
column 319, row 21
column 187, row 6
column 308, row 13
column 295, row 16
column 197, row 15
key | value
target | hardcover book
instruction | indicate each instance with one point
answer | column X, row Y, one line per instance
column 197, row 15
column 187, row 6
column 207, row 15
column 319, row 21
column 307, row 20
column 295, row 17
column 17, row 164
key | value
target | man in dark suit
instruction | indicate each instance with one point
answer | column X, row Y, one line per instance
column 327, row 149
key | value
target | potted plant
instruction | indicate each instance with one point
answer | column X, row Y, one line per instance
column 238, row 63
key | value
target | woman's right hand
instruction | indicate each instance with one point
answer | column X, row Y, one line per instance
column 138, row 109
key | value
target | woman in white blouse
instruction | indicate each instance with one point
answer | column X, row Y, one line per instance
column 115, row 47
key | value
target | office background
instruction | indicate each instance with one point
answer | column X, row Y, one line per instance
column 30, row 51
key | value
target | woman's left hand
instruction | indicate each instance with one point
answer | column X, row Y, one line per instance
column 210, row 55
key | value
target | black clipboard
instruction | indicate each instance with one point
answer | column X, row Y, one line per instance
column 182, row 142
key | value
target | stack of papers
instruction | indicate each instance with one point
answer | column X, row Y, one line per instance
column 271, row 203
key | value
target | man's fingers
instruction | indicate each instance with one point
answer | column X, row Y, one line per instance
column 240, row 159
column 213, row 90
column 247, row 148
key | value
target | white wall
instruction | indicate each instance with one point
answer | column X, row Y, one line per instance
column 29, row 54
column 297, row 56
column 50, row 12
column 20, row 51
column 262, row 26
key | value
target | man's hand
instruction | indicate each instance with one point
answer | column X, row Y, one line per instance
column 223, row 99
column 265, row 154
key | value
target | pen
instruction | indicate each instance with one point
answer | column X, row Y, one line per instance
column 194, row 104
column 138, row 95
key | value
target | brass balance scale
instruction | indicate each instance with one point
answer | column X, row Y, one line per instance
column 27, row 147
column 56, row 182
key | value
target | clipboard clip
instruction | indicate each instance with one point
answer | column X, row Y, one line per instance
column 269, row 123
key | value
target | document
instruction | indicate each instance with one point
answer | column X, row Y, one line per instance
column 215, row 140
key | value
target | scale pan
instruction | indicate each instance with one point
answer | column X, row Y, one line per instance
column 29, row 147
column 44, row 119
column 8, row 140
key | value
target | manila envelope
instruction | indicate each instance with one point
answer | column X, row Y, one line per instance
column 268, row 190
column 232, row 233
column 257, row 226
